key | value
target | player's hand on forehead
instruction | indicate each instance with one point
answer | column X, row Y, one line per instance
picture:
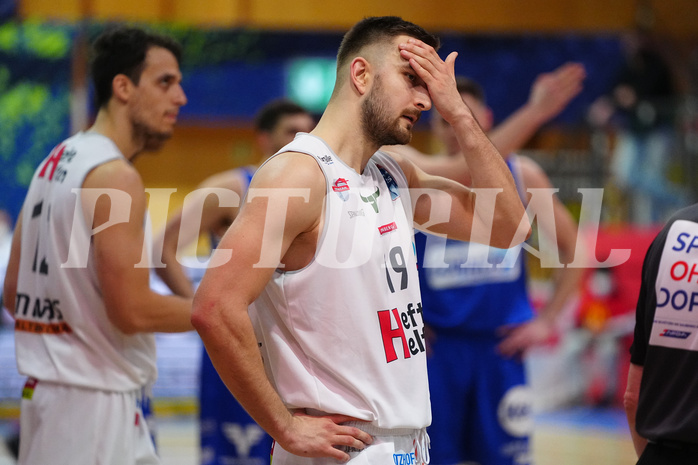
column 438, row 75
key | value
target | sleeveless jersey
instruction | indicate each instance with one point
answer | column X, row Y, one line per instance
column 62, row 332
column 471, row 288
column 345, row 334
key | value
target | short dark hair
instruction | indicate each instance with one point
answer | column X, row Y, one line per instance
column 378, row 28
column 465, row 85
column 122, row 50
column 270, row 114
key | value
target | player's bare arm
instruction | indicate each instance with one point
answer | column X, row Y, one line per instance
column 214, row 219
column 220, row 304
column 131, row 305
column 489, row 169
column 9, row 293
column 437, row 164
column 550, row 94
column 561, row 226
column 462, row 218
column 630, row 402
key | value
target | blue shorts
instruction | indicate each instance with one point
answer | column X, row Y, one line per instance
column 228, row 434
column 481, row 406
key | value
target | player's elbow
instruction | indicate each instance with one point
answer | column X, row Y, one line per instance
column 523, row 231
column 201, row 313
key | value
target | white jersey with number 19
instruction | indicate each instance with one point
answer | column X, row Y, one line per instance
column 345, row 334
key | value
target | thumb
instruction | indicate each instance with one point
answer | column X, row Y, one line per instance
column 451, row 60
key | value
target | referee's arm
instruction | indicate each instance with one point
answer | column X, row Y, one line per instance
column 630, row 399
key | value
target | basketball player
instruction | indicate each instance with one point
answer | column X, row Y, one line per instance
column 227, row 432
column 84, row 312
column 323, row 251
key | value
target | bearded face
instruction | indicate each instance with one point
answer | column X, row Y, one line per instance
column 378, row 124
column 155, row 99
column 151, row 137
column 154, row 142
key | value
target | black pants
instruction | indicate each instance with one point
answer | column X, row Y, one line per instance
column 669, row 454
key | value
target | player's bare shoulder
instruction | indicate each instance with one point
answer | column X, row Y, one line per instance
column 404, row 160
column 115, row 174
column 533, row 173
column 230, row 179
column 295, row 182
column 290, row 170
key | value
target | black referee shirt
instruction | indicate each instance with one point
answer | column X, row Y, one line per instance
column 668, row 404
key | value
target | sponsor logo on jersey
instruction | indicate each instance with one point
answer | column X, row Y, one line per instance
column 326, row 159
column 42, row 328
column 386, row 228
column 354, row 214
column 675, row 322
column 46, row 309
column 37, row 308
column 390, row 181
column 404, row 327
column 52, row 162
column 372, row 199
column 340, row 187
column 55, row 163
column 675, row 333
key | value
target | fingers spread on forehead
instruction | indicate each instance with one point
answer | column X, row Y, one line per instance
column 418, row 48
column 420, row 54
column 416, row 44
column 417, row 62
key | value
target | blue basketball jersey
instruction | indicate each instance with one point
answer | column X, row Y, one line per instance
column 472, row 288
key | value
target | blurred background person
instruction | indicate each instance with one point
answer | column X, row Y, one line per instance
column 85, row 319
column 642, row 109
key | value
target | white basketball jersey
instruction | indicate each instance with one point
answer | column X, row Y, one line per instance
column 62, row 332
column 345, row 334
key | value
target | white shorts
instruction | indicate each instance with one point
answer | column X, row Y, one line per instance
column 68, row 425
column 389, row 447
